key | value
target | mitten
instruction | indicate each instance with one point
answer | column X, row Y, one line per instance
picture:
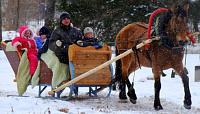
column 96, row 46
column 58, row 43
column 80, row 43
column 19, row 47
column 100, row 45
column 39, row 56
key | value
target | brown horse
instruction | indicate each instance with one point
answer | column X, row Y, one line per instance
column 166, row 53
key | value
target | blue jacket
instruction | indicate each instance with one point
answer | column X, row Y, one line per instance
column 39, row 41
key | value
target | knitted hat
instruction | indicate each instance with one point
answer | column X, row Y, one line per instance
column 37, row 30
column 88, row 29
column 44, row 31
column 64, row 15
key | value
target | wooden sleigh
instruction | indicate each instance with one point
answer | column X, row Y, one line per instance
column 45, row 76
column 80, row 60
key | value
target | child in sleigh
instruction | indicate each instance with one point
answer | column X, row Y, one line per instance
column 25, row 40
column 89, row 39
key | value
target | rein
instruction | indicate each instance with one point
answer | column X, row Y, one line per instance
column 172, row 47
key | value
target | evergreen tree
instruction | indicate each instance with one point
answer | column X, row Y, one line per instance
column 194, row 15
column 108, row 17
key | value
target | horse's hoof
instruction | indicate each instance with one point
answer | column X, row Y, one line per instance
column 133, row 101
column 157, row 108
column 122, row 95
column 187, row 106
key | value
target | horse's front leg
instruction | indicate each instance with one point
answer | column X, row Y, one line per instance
column 187, row 100
column 131, row 92
column 157, row 86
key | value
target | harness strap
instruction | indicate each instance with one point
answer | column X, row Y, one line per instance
column 148, row 56
column 164, row 39
column 142, row 25
column 135, row 52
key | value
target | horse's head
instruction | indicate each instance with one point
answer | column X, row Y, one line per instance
column 178, row 23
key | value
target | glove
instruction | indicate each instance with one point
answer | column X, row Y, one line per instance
column 80, row 43
column 19, row 47
column 100, row 45
column 58, row 43
column 96, row 46
column 39, row 56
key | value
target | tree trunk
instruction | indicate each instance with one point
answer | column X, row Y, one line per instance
column 49, row 13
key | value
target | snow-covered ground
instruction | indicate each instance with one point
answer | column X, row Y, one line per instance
column 171, row 95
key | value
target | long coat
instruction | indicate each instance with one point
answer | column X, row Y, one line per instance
column 68, row 36
column 28, row 43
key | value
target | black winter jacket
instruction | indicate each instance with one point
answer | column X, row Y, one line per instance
column 44, row 31
column 90, row 42
column 68, row 36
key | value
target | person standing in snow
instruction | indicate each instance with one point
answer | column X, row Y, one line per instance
column 62, row 37
column 25, row 40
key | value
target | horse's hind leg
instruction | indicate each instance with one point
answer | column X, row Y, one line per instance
column 119, row 78
column 185, row 80
column 122, row 87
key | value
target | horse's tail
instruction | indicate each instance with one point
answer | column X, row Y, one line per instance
column 118, row 69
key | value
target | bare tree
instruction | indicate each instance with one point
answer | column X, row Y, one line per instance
column 16, row 13
column 49, row 14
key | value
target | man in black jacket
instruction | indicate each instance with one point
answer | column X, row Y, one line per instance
column 62, row 37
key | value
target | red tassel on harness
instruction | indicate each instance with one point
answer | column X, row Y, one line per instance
column 191, row 37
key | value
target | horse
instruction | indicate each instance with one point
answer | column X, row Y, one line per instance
column 168, row 52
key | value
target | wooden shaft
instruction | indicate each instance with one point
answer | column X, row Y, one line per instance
column 100, row 67
column 194, row 34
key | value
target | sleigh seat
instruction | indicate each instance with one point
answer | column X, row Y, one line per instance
column 45, row 75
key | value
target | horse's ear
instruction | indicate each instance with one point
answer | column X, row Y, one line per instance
column 173, row 8
column 186, row 7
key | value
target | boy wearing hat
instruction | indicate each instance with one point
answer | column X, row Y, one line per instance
column 62, row 37
column 89, row 39
column 42, row 33
column 45, row 34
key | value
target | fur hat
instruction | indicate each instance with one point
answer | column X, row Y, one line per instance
column 87, row 29
column 64, row 15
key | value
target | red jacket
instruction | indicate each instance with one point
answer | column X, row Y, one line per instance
column 24, row 42
column 29, row 43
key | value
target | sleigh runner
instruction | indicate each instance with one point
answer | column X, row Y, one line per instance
column 81, row 60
